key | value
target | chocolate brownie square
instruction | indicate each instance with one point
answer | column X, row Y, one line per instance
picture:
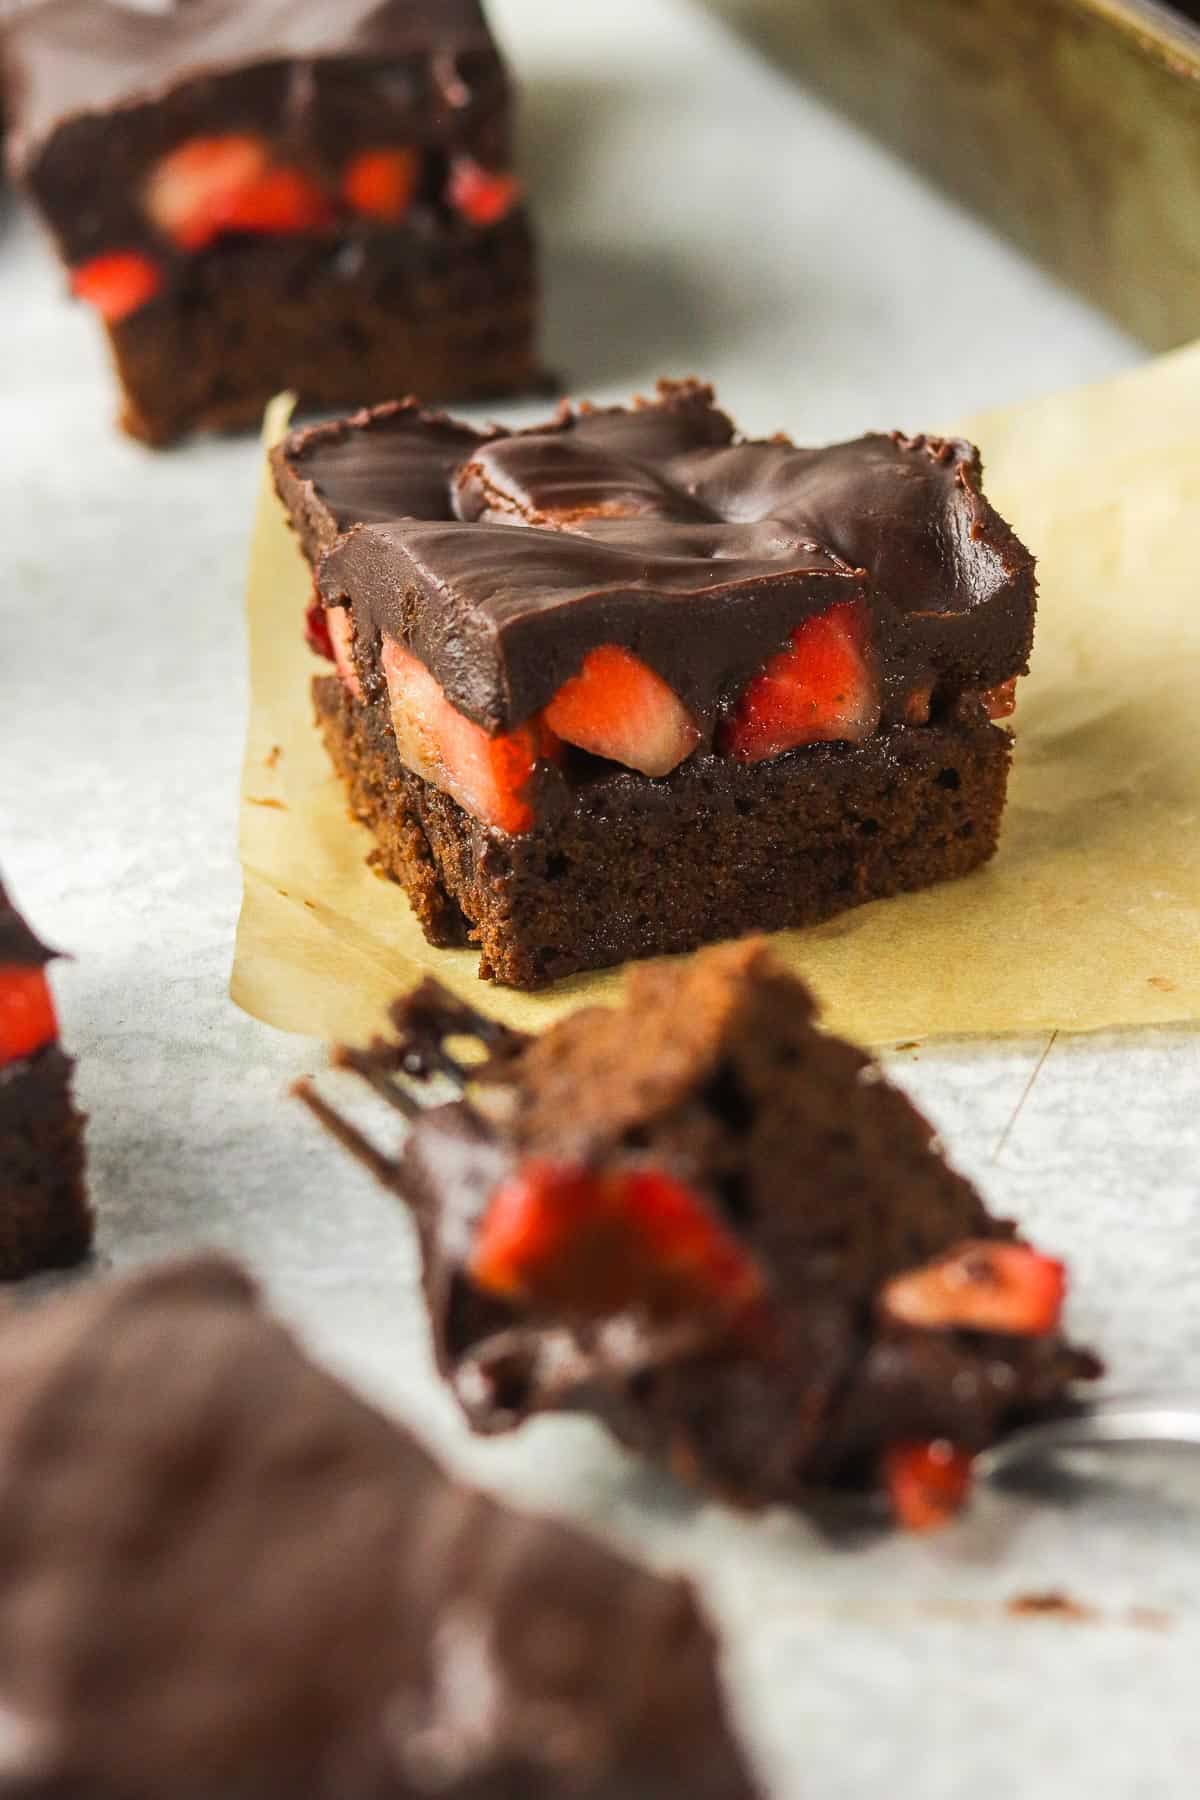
column 45, row 1219
column 223, row 1574
column 629, row 682
column 262, row 194
column 721, row 1231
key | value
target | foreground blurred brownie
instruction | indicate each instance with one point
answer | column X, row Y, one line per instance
column 45, row 1219
column 629, row 683
column 221, row 1573
column 722, row 1232
column 259, row 194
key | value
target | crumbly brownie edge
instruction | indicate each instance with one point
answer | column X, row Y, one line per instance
column 379, row 790
column 714, row 851
column 45, row 1218
column 256, row 319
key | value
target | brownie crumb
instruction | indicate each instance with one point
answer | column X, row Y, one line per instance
column 1053, row 1604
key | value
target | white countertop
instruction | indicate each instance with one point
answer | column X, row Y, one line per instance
column 701, row 217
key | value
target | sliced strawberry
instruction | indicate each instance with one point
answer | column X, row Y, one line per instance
column 927, row 1484
column 381, row 184
column 619, row 708
column 819, row 690
column 192, row 189
column 278, row 203
column 1001, row 701
column 558, row 1235
column 340, row 623
column 487, row 775
column 27, row 1019
column 482, row 196
column 981, row 1286
column 316, row 631
column 118, row 283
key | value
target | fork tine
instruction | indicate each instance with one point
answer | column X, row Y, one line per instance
column 384, row 1169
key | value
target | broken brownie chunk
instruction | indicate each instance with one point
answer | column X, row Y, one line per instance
column 45, row 1219
column 262, row 194
column 628, row 683
column 721, row 1231
column 221, row 1573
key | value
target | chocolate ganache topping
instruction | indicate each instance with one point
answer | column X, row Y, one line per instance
column 501, row 558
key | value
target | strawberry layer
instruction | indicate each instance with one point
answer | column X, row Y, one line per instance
column 238, row 185
column 27, row 1017
column 820, row 689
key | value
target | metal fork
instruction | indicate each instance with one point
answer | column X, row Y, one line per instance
column 1112, row 1423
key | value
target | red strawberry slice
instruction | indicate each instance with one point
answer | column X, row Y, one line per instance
column 819, row 690
column 381, row 184
column 316, row 631
column 340, row 623
column 981, row 1286
column 1001, row 701
column 27, row 1019
column 118, row 283
column 488, row 776
column 619, row 708
column 192, row 189
column 560, row 1236
column 278, row 203
column 927, row 1484
column 482, row 196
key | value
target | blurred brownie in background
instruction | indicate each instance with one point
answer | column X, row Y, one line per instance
column 223, row 1574
column 45, row 1220
column 260, row 194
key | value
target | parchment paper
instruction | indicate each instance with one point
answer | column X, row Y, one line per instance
column 1089, row 916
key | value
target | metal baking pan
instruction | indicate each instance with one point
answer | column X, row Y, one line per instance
column 1074, row 125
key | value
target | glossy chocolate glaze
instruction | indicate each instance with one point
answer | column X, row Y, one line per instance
column 19, row 945
column 221, row 1573
column 98, row 90
column 501, row 558
column 703, row 1052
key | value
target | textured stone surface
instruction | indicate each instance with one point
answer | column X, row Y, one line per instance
column 672, row 175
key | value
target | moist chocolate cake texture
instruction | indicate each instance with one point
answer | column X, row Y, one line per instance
column 222, row 1573
column 260, row 194
column 45, row 1218
column 721, row 1231
column 628, row 682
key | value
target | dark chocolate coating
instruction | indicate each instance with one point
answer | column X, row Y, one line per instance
column 19, row 945
column 502, row 558
column 98, row 91
column 222, row 1574
column 829, row 1178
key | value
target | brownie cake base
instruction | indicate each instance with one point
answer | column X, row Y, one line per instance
column 339, row 322
column 45, row 1219
column 715, row 850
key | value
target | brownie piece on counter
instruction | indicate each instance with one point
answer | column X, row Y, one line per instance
column 628, row 683
column 262, row 194
column 45, row 1218
column 222, row 1573
column 721, row 1231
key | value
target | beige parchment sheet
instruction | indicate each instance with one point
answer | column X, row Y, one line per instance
column 1088, row 917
